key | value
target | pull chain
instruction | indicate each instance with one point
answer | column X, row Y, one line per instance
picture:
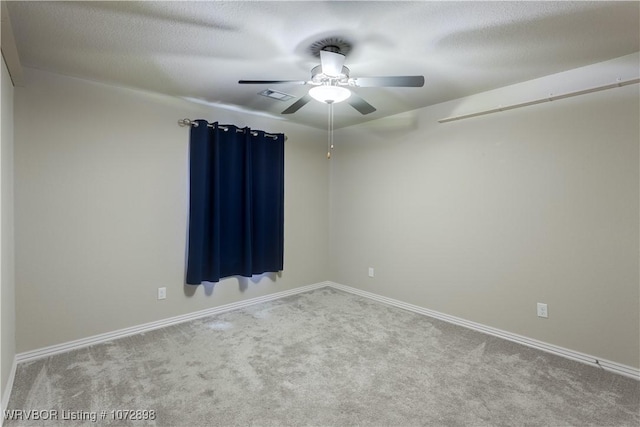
column 330, row 126
column 331, row 114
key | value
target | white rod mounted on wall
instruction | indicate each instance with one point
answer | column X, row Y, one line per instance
column 541, row 100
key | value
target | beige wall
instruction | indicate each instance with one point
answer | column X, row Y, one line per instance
column 485, row 217
column 101, row 209
column 479, row 219
column 7, row 288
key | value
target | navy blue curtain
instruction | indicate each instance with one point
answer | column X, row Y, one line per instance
column 236, row 205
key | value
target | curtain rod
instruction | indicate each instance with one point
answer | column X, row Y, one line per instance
column 189, row 122
column 541, row 100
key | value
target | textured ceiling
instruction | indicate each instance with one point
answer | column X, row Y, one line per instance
column 199, row 50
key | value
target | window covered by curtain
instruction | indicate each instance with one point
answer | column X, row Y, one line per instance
column 236, row 206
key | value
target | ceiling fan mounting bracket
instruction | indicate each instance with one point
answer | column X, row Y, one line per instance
column 331, row 48
column 335, row 44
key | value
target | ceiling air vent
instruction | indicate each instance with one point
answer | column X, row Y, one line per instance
column 274, row 94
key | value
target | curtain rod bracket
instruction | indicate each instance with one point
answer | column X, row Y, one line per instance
column 186, row 122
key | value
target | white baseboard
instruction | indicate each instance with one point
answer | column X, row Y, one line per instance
column 618, row 368
column 7, row 390
column 97, row 339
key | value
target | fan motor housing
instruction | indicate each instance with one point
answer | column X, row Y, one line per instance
column 319, row 78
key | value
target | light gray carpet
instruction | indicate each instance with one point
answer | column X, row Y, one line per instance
column 324, row 358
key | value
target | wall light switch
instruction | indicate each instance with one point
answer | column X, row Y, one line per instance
column 371, row 272
column 162, row 293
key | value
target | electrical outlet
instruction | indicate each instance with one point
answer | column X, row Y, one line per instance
column 371, row 272
column 542, row 310
column 162, row 293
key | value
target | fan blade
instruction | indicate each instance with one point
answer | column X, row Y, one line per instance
column 272, row 82
column 390, row 81
column 298, row 104
column 360, row 104
column 331, row 63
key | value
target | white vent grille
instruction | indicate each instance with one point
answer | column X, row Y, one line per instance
column 274, row 94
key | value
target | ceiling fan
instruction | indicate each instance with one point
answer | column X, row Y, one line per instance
column 331, row 79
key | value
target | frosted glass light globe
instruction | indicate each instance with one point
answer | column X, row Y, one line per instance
column 329, row 94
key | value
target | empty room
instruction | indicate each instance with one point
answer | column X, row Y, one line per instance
column 320, row 213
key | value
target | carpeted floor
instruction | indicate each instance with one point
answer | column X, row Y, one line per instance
column 321, row 358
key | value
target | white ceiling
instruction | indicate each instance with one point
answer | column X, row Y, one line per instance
column 200, row 50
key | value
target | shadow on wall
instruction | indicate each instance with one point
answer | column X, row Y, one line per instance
column 398, row 124
column 243, row 283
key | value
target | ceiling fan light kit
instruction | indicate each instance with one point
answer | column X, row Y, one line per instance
column 329, row 94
